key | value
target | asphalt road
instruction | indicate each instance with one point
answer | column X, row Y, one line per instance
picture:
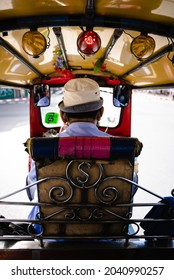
column 152, row 123
column 14, row 130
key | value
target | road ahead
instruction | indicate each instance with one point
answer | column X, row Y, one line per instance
column 14, row 130
column 153, row 124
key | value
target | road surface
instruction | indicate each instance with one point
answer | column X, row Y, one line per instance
column 14, row 130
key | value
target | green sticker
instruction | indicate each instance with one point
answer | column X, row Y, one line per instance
column 51, row 118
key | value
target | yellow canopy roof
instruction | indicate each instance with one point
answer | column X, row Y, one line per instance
column 106, row 18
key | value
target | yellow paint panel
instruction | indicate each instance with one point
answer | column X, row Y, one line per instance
column 20, row 8
column 149, row 10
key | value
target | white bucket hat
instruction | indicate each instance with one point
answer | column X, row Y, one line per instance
column 81, row 95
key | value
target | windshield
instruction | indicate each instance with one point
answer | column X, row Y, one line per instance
column 51, row 118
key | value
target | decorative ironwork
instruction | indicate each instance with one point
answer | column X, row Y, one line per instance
column 30, row 228
column 82, row 178
column 61, row 192
column 172, row 192
column 105, row 209
column 135, row 231
column 107, row 192
column 88, row 213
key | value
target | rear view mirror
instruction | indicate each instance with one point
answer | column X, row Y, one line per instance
column 121, row 95
column 41, row 95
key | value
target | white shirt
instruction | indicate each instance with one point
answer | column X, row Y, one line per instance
column 43, row 101
column 82, row 129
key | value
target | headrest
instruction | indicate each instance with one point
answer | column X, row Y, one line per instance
column 83, row 147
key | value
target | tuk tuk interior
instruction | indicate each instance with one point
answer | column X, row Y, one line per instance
column 41, row 48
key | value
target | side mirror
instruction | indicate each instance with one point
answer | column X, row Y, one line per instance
column 41, row 95
column 121, row 95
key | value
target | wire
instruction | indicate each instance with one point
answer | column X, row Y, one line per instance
column 48, row 38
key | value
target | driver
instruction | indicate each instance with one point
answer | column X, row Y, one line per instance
column 80, row 109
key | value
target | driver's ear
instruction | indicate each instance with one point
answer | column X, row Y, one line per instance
column 100, row 113
column 63, row 116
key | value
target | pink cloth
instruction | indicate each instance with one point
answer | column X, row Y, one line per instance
column 84, row 147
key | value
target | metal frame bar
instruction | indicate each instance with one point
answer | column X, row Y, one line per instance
column 115, row 36
column 123, row 220
column 59, row 36
column 80, row 20
column 15, row 53
column 153, row 58
column 14, row 85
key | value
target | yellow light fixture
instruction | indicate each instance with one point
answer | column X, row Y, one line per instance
column 34, row 43
column 142, row 47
